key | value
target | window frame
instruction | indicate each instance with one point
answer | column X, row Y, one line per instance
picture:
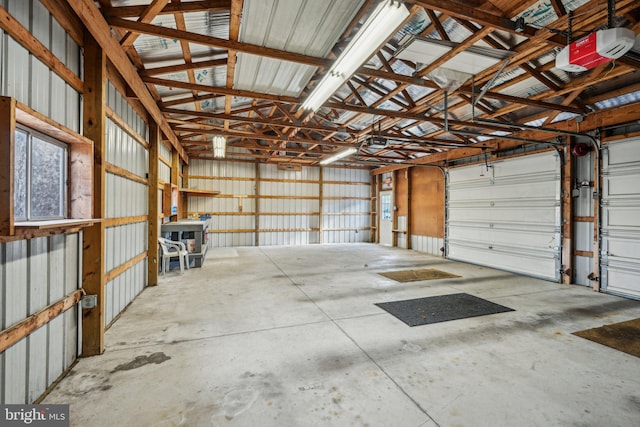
column 64, row 185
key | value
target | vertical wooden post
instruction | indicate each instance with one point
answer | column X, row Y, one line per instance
column 394, row 208
column 7, row 158
column 93, row 262
column 321, row 207
column 154, row 214
column 375, row 208
column 408, row 234
column 256, row 211
column 567, row 215
column 175, row 174
column 184, row 197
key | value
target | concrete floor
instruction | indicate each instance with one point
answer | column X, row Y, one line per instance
column 290, row 336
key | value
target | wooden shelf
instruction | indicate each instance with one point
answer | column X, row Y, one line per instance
column 55, row 223
column 196, row 192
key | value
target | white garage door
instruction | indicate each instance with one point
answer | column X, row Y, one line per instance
column 507, row 216
column 620, row 272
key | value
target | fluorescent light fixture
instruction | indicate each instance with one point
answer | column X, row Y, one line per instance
column 339, row 155
column 219, row 146
column 382, row 23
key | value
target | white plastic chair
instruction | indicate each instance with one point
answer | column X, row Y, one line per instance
column 173, row 249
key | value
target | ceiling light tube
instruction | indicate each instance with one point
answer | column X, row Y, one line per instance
column 339, row 155
column 382, row 23
column 219, row 146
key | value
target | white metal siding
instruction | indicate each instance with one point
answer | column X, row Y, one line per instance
column 288, row 202
column 28, row 79
column 620, row 219
column 38, row 272
column 346, row 208
column 34, row 274
column 125, row 198
column 428, row 244
column 507, row 217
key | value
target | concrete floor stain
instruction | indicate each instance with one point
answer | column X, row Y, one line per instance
column 140, row 361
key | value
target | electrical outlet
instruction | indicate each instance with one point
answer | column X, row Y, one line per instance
column 89, row 301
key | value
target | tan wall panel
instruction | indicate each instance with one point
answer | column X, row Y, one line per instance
column 400, row 186
column 427, row 202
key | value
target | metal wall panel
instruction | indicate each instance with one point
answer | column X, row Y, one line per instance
column 38, row 272
column 620, row 251
column 34, row 274
column 17, row 75
column 28, row 79
column 509, row 216
column 428, row 244
column 125, row 198
column 123, row 289
column 346, row 206
column 124, row 151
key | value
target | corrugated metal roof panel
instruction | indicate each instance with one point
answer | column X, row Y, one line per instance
column 310, row 27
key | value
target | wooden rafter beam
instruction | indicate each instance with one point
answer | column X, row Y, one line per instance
column 195, row 6
column 170, row 69
column 467, row 12
column 241, row 119
column 99, row 29
column 150, row 12
column 217, row 42
column 219, row 90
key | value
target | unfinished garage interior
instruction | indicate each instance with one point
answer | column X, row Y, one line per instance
column 288, row 212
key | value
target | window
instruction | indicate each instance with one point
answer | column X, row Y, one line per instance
column 40, row 177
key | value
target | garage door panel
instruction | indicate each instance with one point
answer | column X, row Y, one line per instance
column 620, row 253
column 510, row 219
column 504, row 191
column 533, row 263
column 524, row 215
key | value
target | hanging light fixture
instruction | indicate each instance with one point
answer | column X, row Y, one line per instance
column 219, row 146
column 382, row 23
column 339, row 155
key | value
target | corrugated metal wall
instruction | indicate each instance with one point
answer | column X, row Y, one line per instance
column 27, row 79
column 126, row 198
column 232, row 221
column 293, row 207
column 289, row 206
column 38, row 272
column 346, row 206
column 33, row 274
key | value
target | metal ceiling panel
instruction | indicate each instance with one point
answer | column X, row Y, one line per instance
column 310, row 27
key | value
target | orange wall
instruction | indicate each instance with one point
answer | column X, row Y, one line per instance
column 427, row 201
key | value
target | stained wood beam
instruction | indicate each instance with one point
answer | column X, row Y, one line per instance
column 93, row 238
column 467, row 12
column 170, row 69
column 147, row 15
column 217, row 42
column 66, row 17
column 23, row 36
column 437, row 24
column 234, row 34
column 99, row 29
column 219, row 90
column 242, row 119
column 195, row 6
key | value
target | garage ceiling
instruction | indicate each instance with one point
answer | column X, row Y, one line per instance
column 242, row 69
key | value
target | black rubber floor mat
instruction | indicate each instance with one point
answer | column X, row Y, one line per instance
column 421, row 311
column 623, row 336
